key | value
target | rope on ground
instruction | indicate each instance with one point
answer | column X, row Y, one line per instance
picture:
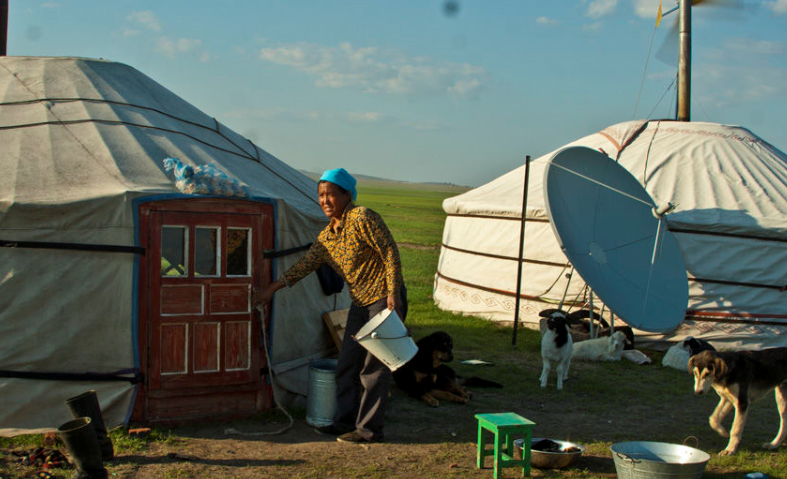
column 232, row 431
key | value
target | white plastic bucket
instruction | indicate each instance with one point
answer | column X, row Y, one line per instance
column 386, row 338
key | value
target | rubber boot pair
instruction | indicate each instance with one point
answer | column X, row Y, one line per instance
column 80, row 439
column 86, row 405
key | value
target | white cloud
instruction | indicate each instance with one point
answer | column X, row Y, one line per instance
column 145, row 18
column 649, row 8
column 354, row 117
column 166, row 46
column 749, row 46
column 779, row 7
column 172, row 48
column 378, row 71
column 599, row 8
column 592, row 27
column 365, row 117
column 546, row 21
column 726, row 85
column 423, row 126
column 267, row 114
column 50, row 5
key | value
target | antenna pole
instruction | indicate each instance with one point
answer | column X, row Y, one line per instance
column 521, row 254
column 684, row 62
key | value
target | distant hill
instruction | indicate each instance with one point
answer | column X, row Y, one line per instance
column 383, row 182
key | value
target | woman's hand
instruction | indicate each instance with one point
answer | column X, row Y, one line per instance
column 392, row 302
column 264, row 296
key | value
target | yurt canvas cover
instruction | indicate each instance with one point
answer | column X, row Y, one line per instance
column 81, row 149
column 729, row 187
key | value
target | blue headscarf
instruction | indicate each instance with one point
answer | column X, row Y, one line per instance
column 340, row 177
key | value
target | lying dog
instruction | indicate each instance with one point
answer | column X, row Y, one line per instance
column 677, row 356
column 609, row 348
column 740, row 378
column 556, row 347
column 428, row 378
column 579, row 324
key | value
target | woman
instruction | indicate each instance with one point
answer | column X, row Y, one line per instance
column 359, row 247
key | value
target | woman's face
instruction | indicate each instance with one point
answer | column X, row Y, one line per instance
column 332, row 199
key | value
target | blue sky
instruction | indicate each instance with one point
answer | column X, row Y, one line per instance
column 403, row 90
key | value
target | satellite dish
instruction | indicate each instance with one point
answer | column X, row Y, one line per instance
column 616, row 238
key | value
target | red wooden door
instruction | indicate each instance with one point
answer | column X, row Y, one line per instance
column 202, row 334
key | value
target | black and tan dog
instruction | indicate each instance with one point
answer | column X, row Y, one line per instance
column 428, row 378
column 740, row 378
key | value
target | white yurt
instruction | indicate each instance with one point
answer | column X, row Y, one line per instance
column 134, row 279
column 729, row 188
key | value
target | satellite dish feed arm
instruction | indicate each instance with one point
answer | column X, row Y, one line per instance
column 660, row 211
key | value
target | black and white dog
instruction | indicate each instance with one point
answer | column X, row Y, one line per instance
column 556, row 346
column 740, row 378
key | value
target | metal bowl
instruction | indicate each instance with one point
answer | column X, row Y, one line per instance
column 551, row 460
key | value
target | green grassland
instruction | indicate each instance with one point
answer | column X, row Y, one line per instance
column 415, row 216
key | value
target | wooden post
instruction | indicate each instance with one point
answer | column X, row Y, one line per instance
column 521, row 254
column 684, row 62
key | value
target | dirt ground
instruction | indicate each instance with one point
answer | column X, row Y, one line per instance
column 420, row 442
column 441, row 442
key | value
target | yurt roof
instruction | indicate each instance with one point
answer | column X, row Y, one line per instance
column 720, row 177
column 76, row 129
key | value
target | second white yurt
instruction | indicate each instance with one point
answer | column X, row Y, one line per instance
column 729, row 188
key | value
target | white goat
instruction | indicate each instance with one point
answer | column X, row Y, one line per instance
column 556, row 346
column 601, row 349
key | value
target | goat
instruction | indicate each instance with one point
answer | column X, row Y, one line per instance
column 556, row 347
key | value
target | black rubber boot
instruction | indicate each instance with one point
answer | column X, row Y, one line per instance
column 82, row 445
column 86, row 405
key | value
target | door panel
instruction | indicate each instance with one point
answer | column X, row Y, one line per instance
column 229, row 298
column 174, row 348
column 180, row 299
column 238, row 350
column 202, row 334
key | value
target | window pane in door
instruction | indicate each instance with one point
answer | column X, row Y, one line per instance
column 238, row 250
column 174, row 241
column 206, row 255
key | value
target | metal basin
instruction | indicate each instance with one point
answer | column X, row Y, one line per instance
column 548, row 459
column 657, row 460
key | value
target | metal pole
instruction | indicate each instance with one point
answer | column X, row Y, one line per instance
column 3, row 27
column 684, row 62
column 593, row 331
column 521, row 254
column 568, row 284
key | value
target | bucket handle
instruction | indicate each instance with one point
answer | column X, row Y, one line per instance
column 626, row 457
column 696, row 441
column 376, row 335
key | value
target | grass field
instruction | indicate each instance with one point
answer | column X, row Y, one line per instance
column 602, row 403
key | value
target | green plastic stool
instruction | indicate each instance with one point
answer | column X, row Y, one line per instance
column 504, row 426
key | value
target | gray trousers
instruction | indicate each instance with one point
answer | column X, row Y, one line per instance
column 363, row 381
